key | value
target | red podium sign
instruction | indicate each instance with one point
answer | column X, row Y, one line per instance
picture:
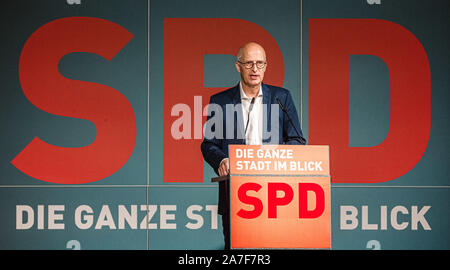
column 280, row 196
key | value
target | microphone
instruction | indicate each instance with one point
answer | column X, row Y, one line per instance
column 300, row 138
column 248, row 116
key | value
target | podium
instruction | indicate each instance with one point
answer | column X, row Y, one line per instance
column 279, row 196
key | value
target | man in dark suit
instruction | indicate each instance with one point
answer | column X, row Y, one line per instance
column 260, row 114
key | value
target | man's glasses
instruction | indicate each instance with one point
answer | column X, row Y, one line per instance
column 250, row 64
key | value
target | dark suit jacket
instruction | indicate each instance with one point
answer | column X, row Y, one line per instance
column 214, row 150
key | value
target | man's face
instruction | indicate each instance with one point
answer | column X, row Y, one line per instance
column 253, row 76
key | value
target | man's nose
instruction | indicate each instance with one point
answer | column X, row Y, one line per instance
column 254, row 67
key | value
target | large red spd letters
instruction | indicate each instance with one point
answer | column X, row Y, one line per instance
column 48, row 90
column 186, row 42
column 331, row 42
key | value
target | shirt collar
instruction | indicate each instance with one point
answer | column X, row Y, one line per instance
column 244, row 96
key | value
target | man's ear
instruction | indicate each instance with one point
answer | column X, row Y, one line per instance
column 238, row 67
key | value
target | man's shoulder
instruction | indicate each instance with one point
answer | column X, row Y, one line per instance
column 228, row 94
column 277, row 90
column 225, row 94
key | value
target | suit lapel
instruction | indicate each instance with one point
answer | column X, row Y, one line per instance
column 236, row 96
column 267, row 101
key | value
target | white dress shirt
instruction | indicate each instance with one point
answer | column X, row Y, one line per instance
column 253, row 136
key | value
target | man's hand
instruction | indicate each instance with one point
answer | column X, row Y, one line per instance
column 224, row 167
